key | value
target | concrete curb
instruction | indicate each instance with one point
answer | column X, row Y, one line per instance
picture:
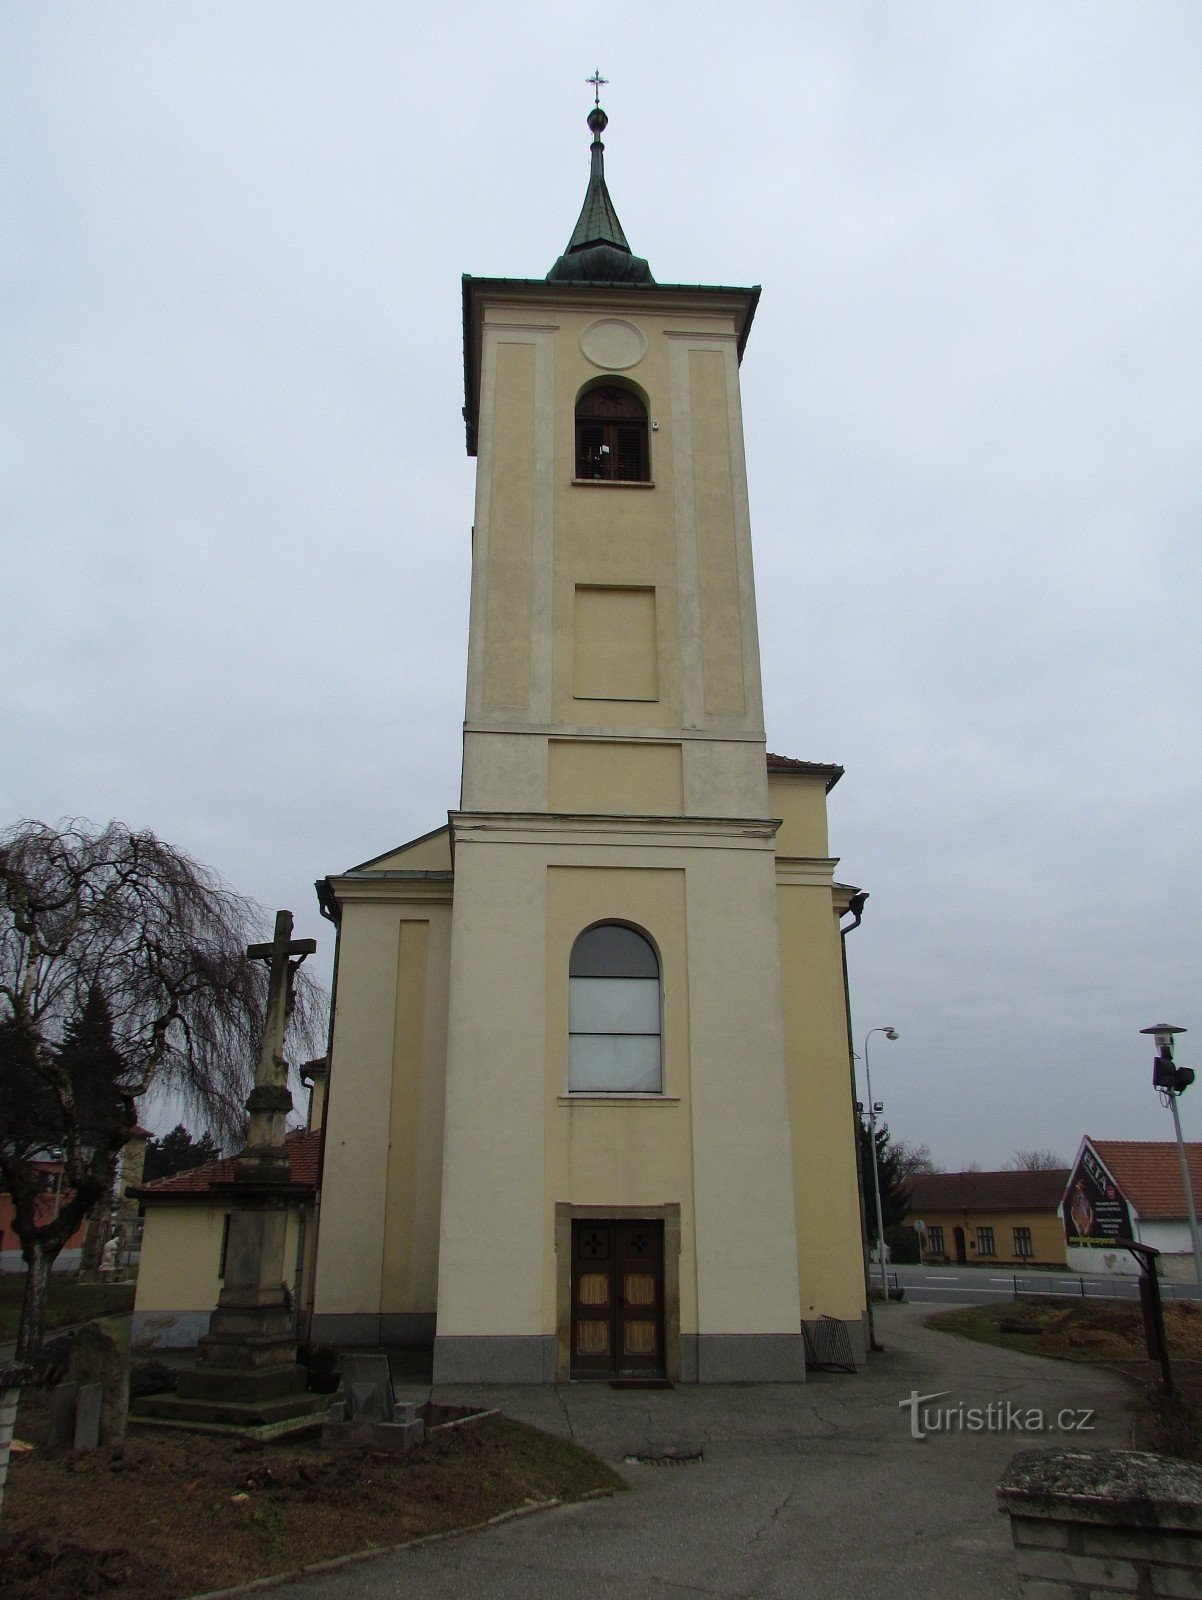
column 314, row 1568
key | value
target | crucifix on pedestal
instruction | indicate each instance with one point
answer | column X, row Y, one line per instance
column 246, row 1374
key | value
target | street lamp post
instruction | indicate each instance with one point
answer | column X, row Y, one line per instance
column 873, row 1107
column 1172, row 1081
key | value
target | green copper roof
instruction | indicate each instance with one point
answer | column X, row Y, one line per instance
column 597, row 251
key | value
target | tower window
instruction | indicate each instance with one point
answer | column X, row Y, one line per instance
column 614, row 1013
column 611, row 436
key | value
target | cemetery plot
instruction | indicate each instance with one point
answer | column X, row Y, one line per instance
column 169, row 1515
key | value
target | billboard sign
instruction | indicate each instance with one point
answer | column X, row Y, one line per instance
column 1095, row 1210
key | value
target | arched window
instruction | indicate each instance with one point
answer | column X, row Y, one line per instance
column 614, row 1013
column 611, row 435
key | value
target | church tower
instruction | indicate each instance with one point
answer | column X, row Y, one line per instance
column 589, row 1072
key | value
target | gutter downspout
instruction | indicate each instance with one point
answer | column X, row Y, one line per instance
column 332, row 912
column 856, row 906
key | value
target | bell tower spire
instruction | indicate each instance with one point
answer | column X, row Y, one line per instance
column 598, row 252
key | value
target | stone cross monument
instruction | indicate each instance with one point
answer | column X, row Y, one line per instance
column 246, row 1373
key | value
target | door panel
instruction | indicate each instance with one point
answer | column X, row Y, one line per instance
column 617, row 1299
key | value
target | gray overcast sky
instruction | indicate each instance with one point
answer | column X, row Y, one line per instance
column 236, row 504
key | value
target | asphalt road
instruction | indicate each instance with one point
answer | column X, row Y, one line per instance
column 967, row 1286
column 817, row 1489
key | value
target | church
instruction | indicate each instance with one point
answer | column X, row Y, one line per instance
column 589, row 1110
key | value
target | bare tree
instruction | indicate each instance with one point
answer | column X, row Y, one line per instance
column 1036, row 1161
column 122, row 966
column 913, row 1158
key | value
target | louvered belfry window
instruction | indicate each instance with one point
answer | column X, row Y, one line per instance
column 611, row 436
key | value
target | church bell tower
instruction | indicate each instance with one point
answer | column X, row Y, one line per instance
column 590, row 1112
column 613, row 831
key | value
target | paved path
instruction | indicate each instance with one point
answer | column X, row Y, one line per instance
column 814, row 1489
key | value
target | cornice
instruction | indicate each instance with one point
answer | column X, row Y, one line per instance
column 810, row 872
column 419, row 888
column 613, row 832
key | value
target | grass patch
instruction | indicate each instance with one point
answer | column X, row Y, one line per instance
column 1072, row 1329
column 1110, row 1333
column 68, row 1302
column 173, row 1514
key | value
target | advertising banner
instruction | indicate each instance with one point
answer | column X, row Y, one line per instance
column 1095, row 1212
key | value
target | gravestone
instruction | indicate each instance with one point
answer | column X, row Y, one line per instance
column 100, row 1357
column 370, row 1413
column 88, row 1409
column 61, row 1427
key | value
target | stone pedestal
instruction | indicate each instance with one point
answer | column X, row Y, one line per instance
column 246, row 1374
column 1094, row 1523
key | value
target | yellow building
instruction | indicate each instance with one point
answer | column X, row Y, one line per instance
column 590, row 1109
column 991, row 1218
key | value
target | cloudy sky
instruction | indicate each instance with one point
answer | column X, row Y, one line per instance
column 236, row 504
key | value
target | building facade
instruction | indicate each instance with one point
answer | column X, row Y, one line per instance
column 1130, row 1189
column 992, row 1218
column 590, row 1110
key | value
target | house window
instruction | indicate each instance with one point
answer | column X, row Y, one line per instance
column 1022, row 1242
column 611, row 436
column 225, row 1244
column 985, row 1241
column 614, row 1013
column 935, row 1241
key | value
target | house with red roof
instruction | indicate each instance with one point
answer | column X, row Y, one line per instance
column 50, row 1196
column 185, row 1230
column 1129, row 1189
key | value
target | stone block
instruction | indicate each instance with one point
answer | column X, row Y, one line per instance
column 88, row 1409
column 100, row 1355
column 1105, row 1522
column 60, row 1430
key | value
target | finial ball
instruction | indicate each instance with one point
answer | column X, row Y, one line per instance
column 597, row 120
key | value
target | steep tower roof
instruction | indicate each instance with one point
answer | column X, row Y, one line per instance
column 598, row 252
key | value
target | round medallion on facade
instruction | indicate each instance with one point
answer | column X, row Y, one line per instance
column 613, row 344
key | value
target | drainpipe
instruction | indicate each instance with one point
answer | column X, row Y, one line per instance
column 856, row 907
column 330, row 909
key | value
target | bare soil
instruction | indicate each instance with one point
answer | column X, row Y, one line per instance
column 174, row 1514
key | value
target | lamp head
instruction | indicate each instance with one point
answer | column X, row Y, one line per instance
column 1163, row 1033
column 892, row 1033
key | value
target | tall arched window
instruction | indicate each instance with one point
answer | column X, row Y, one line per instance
column 611, row 435
column 614, row 1013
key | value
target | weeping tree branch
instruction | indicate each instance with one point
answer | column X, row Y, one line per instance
column 120, row 928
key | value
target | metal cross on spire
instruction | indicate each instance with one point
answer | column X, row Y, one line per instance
column 596, row 80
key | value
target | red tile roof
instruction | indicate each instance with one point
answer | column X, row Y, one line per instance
column 302, row 1147
column 987, row 1191
column 1147, row 1172
column 821, row 769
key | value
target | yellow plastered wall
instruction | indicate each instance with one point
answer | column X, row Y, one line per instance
column 830, row 1263
column 1047, row 1234
column 799, row 801
column 507, row 629
column 604, row 776
column 383, row 1152
column 617, row 655
column 181, row 1254
column 620, row 1152
column 537, row 657
column 721, row 633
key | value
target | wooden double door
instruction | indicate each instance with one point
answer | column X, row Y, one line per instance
column 617, row 1299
